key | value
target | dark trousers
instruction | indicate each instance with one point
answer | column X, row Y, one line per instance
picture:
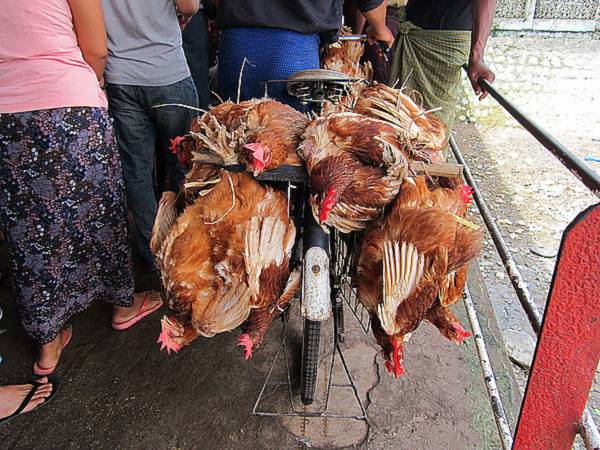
column 196, row 46
column 141, row 131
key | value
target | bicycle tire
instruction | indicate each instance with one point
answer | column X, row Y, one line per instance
column 310, row 361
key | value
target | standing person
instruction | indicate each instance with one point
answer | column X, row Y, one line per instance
column 279, row 38
column 196, row 45
column 373, row 53
column 437, row 38
column 62, row 205
column 146, row 67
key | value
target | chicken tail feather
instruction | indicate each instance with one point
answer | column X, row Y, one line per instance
column 165, row 218
column 403, row 268
column 292, row 286
column 265, row 244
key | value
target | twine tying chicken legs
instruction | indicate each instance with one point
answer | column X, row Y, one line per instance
column 232, row 204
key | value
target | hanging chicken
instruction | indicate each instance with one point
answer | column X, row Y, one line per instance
column 261, row 134
column 344, row 57
column 412, row 265
column 450, row 195
column 355, row 165
column 424, row 134
column 225, row 262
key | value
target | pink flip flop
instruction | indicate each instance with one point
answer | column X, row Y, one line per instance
column 45, row 371
column 145, row 310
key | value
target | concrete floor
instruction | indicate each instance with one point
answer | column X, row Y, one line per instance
column 119, row 391
column 556, row 81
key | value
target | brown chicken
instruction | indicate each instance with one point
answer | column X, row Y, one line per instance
column 412, row 266
column 261, row 134
column 356, row 166
column 454, row 197
column 225, row 261
column 344, row 56
column 423, row 133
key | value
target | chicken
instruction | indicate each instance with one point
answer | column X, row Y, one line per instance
column 344, row 57
column 424, row 192
column 424, row 133
column 260, row 134
column 225, row 261
column 412, row 265
column 273, row 136
column 355, row 165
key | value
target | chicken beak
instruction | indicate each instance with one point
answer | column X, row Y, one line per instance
column 257, row 167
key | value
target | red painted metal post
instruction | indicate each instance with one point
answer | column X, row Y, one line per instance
column 568, row 348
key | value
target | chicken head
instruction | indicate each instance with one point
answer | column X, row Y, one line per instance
column 171, row 335
column 258, row 156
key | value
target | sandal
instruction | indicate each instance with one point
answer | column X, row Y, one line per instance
column 45, row 371
column 145, row 310
column 36, row 384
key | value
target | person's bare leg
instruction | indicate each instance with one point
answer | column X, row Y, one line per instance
column 49, row 354
column 12, row 396
column 121, row 314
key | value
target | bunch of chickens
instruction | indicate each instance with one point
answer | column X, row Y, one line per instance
column 224, row 243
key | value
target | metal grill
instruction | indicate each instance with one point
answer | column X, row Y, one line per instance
column 343, row 264
column 566, row 9
column 587, row 427
column 510, row 9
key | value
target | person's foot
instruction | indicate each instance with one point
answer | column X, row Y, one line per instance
column 49, row 354
column 144, row 303
column 12, row 396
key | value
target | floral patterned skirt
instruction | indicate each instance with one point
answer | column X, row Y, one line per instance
column 62, row 208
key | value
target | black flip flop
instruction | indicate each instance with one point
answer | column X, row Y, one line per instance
column 53, row 380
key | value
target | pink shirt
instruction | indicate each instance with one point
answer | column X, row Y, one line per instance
column 41, row 65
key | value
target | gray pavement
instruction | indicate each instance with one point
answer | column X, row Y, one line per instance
column 556, row 81
column 119, row 391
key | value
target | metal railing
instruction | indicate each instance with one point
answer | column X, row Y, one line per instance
column 591, row 180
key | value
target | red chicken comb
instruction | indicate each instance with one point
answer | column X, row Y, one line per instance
column 395, row 366
column 166, row 339
column 175, row 143
column 327, row 205
column 466, row 194
column 258, row 152
column 246, row 341
column 461, row 333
